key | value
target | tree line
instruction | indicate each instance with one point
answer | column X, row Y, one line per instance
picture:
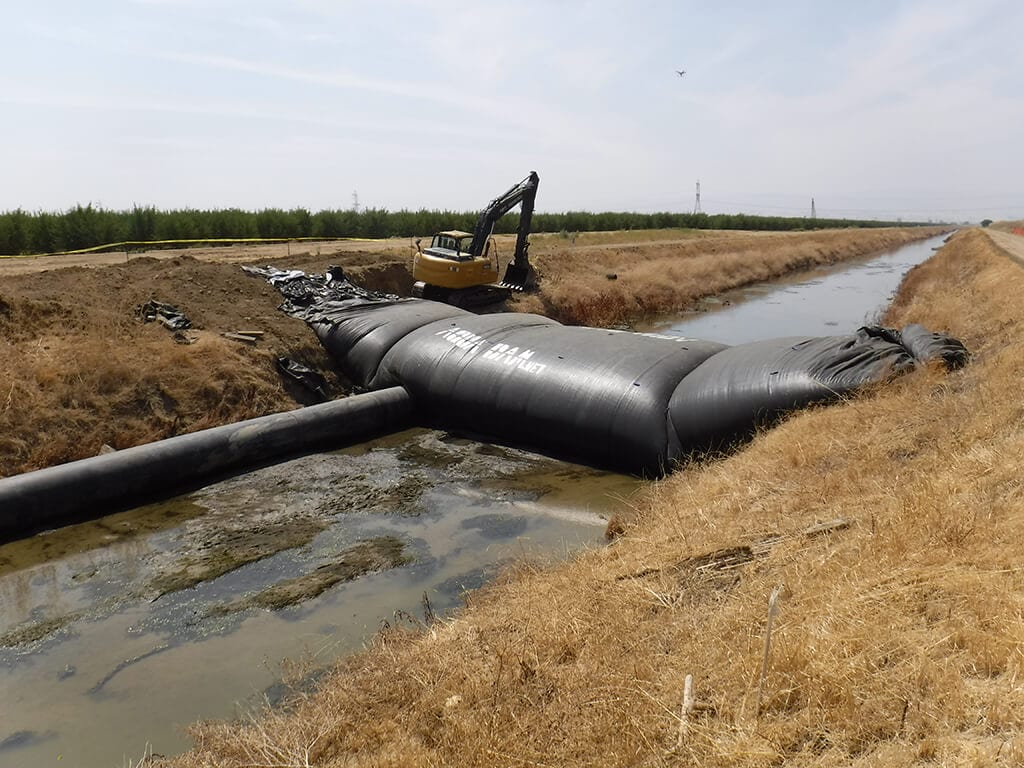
column 88, row 226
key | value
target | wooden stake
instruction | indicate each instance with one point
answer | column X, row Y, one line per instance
column 773, row 607
column 251, row 340
column 687, row 708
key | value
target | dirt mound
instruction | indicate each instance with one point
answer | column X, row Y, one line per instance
column 82, row 370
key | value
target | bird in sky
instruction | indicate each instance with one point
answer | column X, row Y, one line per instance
column 680, row 72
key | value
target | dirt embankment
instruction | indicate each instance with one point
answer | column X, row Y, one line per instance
column 79, row 370
column 885, row 529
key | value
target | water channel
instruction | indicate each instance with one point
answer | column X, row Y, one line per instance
column 112, row 639
column 821, row 302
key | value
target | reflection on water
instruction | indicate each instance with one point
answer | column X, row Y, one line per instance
column 96, row 663
column 824, row 302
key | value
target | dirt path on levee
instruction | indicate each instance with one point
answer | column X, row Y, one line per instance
column 1011, row 243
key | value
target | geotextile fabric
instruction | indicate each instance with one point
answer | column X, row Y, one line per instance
column 630, row 402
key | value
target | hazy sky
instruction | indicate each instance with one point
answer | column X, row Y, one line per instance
column 875, row 108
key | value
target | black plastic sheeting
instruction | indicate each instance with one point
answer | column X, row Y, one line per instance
column 310, row 380
column 626, row 401
column 167, row 315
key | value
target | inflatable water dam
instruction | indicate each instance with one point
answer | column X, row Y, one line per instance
column 629, row 402
column 94, row 487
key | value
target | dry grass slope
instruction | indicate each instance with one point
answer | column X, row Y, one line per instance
column 78, row 369
column 896, row 639
column 651, row 280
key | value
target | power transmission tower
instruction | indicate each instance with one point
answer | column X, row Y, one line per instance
column 355, row 202
column 696, row 204
column 814, row 214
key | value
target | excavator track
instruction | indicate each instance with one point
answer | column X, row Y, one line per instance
column 466, row 298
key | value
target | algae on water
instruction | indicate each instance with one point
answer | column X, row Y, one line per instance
column 377, row 554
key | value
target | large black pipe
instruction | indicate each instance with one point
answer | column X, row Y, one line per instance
column 90, row 488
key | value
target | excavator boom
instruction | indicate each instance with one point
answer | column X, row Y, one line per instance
column 452, row 271
column 519, row 275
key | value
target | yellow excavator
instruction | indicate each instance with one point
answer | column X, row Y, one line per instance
column 458, row 268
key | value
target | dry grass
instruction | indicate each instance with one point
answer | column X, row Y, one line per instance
column 72, row 394
column 78, row 369
column 1008, row 226
column 896, row 641
column 552, row 241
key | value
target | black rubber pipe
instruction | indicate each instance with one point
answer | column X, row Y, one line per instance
column 93, row 487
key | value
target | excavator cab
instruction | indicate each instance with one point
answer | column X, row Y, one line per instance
column 457, row 267
column 452, row 244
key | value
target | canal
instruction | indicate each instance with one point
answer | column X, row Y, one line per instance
column 118, row 633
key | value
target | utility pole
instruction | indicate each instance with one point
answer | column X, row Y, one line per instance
column 814, row 213
column 696, row 204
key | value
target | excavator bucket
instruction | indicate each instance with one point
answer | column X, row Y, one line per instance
column 519, row 277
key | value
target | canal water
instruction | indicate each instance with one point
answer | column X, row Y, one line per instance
column 110, row 643
column 117, row 633
column 822, row 302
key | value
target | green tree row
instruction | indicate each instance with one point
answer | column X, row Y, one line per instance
column 88, row 226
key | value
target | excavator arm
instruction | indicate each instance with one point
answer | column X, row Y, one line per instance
column 519, row 274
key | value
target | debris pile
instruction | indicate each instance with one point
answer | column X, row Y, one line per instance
column 167, row 315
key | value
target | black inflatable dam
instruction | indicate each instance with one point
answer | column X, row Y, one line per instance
column 630, row 402
column 93, row 487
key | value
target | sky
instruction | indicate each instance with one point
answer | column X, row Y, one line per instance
column 876, row 109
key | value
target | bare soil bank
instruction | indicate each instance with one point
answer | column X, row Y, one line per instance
column 80, row 370
column 895, row 634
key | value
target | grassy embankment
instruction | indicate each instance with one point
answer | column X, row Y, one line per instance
column 896, row 637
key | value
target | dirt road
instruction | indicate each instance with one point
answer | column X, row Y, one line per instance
column 1011, row 243
column 245, row 253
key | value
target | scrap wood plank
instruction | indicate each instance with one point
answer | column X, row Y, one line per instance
column 728, row 558
column 239, row 337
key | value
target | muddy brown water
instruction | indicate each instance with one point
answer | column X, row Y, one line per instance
column 117, row 633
